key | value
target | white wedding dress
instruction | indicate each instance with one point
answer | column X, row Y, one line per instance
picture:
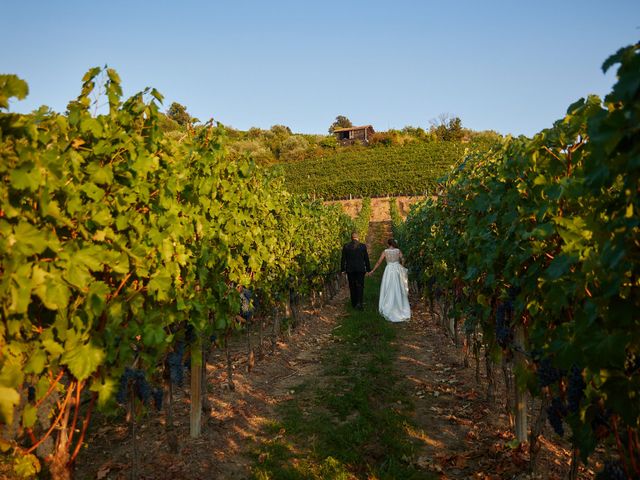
column 394, row 289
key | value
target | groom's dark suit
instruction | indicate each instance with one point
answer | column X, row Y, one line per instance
column 355, row 262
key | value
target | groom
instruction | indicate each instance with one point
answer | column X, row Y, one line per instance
column 355, row 263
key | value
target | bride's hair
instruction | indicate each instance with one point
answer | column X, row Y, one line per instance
column 392, row 243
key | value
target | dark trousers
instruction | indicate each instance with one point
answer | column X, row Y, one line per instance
column 356, row 287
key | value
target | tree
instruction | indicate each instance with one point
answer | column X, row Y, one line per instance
column 294, row 148
column 341, row 122
column 447, row 128
column 178, row 113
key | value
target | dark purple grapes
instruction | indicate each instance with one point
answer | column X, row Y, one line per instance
column 157, row 394
column 575, row 390
column 504, row 329
column 246, row 309
column 612, row 471
column 555, row 413
column 31, row 393
column 547, row 373
column 176, row 368
column 142, row 388
column 136, row 379
column 123, row 389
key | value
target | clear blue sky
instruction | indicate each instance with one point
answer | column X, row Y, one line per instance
column 511, row 65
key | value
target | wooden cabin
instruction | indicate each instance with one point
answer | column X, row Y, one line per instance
column 351, row 135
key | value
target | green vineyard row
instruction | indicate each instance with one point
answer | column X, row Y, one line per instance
column 118, row 245
column 536, row 244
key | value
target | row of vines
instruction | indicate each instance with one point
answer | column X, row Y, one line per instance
column 123, row 252
column 535, row 249
column 380, row 171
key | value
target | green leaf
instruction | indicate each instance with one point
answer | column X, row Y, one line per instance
column 113, row 76
column 20, row 289
column 54, row 348
column 559, row 266
column 92, row 125
column 26, row 466
column 29, row 415
column 9, row 398
column 91, row 74
column 29, row 239
column 100, row 174
column 11, row 375
column 94, row 192
column 36, row 362
column 153, row 335
column 106, row 389
column 157, row 95
column 53, row 293
column 160, row 284
column 77, row 274
column 25, row 179
column 97, row 296
column 12, row 86
column 83, row 360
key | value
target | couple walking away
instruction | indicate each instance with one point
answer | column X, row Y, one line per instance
column 394, row 289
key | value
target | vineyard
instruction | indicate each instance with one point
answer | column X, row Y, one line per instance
column 411, row 169
column 125, row 256
column 173, row 311
column 531, row 259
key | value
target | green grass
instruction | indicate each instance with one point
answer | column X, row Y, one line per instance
column 350, row 422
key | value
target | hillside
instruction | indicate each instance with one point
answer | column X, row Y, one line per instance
column 410, row 169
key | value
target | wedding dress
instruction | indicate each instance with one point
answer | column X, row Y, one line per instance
column 394, row 289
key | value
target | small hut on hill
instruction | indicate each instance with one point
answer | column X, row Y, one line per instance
column 351, row 135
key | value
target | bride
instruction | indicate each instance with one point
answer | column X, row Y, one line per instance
column 394, row 289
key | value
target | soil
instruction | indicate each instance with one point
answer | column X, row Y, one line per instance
column 461, row 434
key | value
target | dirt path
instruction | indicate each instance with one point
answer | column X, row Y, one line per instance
column 443, row 423
column 236, row 418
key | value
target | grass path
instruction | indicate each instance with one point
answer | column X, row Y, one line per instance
column 353, row 419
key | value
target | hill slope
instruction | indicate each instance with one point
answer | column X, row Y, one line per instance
column 410, row 169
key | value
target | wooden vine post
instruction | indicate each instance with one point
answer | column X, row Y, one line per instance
column 195, row 425
column 520, row 402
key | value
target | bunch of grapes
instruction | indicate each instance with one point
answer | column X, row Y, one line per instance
column 555, row 413
column 123, row 389
column 547, row 373
column 157, row 394
column 141, row 388
column 575, row 390
column 246, row 309
column 504, row 330
column 612, row 470
column 176, row 367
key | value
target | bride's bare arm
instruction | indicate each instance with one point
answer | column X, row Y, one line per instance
column 377, row 264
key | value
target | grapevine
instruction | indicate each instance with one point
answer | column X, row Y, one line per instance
column 551, row 223
column 122, row 246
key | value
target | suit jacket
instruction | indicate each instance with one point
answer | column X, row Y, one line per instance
column 355, row 258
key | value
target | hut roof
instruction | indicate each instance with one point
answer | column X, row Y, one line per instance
column 363, row 127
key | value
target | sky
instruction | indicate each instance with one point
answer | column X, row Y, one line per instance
column 512, row 66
